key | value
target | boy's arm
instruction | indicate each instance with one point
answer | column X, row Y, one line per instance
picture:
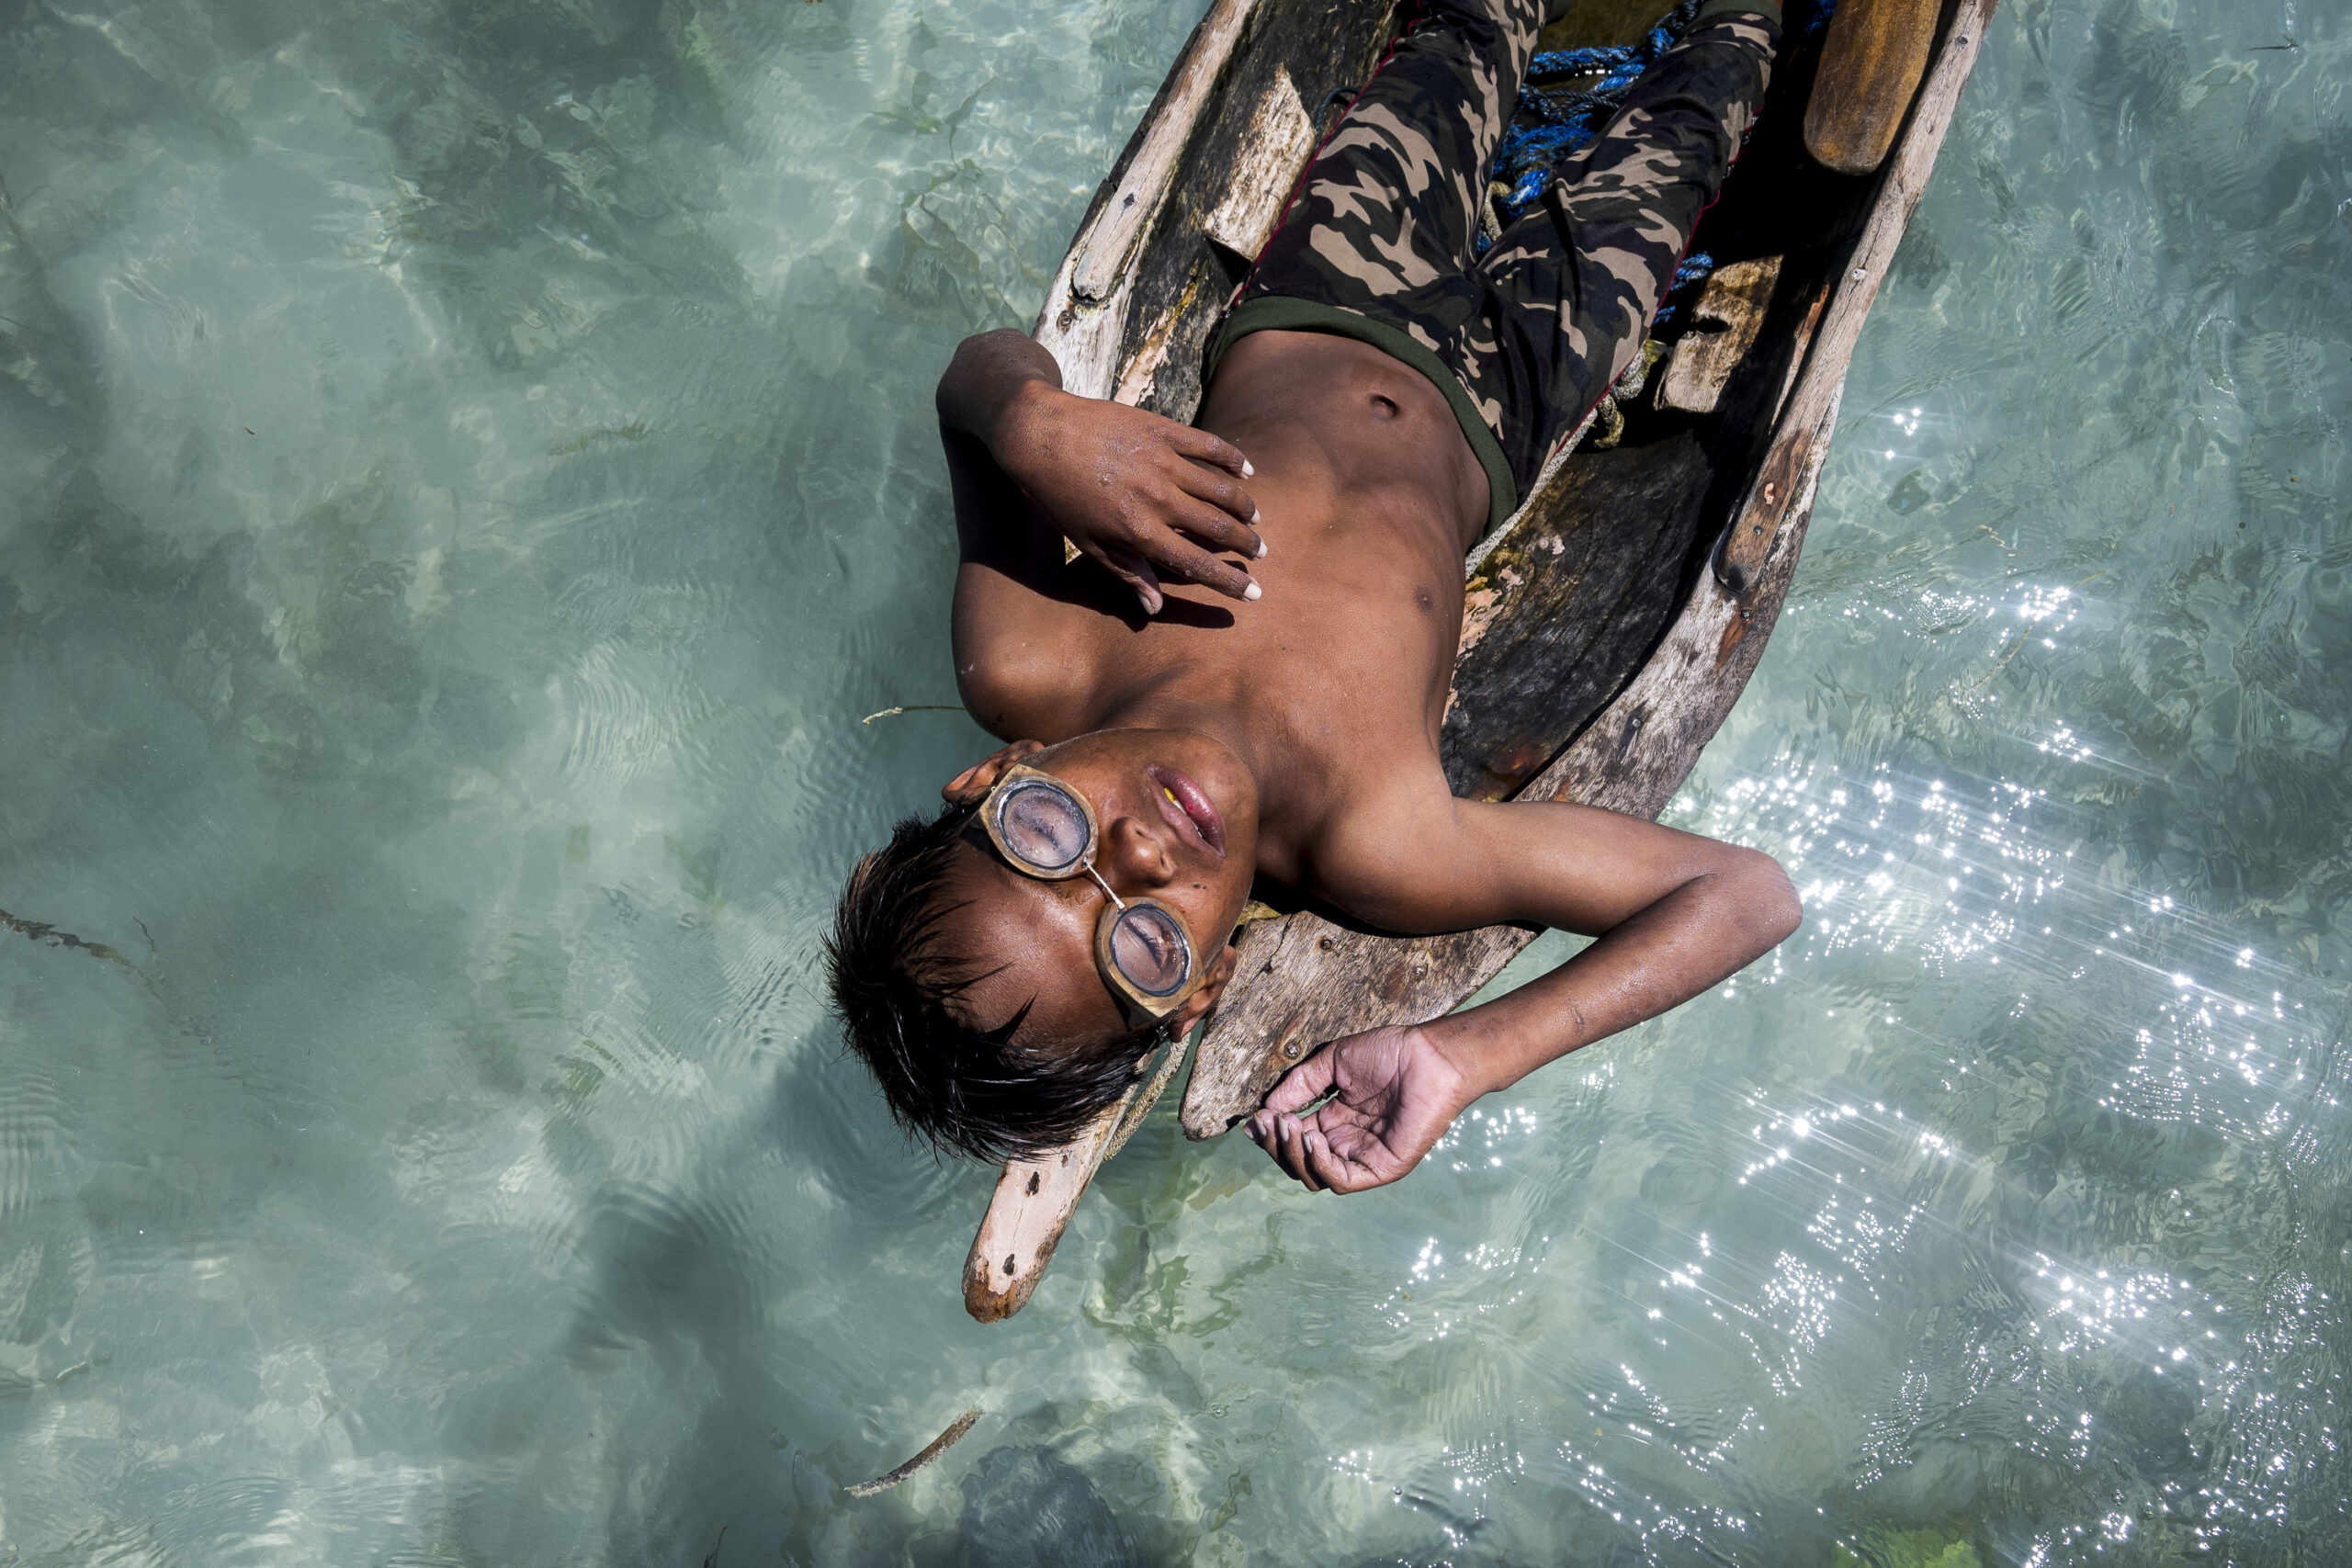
column 1674, row 914
column 1139, row 494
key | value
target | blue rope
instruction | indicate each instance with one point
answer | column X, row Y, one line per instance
column 1693, row 270
column 1550, row 128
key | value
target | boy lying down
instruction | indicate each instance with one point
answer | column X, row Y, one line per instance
column 1244, row 674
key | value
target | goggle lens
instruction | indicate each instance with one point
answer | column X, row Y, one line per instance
column 1043, row 825
column 1149, row 949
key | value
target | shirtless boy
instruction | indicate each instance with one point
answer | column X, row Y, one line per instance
column 1244, row 674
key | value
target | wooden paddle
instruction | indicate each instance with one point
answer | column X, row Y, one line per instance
column 1870, row 66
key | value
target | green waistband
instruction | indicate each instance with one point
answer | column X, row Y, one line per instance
column 1274, row 312
column 1714, row 8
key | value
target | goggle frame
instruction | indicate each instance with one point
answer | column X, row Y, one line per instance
column 1131, row 994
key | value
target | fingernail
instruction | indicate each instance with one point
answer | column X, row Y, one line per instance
column 1261, row 551
column 1248, row 471
column 1253, row 592
column 1255, row 513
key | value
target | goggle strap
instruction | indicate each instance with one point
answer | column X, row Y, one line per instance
column 1114, row 899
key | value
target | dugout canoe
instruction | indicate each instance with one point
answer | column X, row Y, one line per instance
column 1610, row 624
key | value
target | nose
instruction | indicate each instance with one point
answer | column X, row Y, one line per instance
column 1136, row 855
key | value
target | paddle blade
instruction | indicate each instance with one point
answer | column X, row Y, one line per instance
column 1870, row 66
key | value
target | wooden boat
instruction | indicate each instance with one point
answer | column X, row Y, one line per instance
column 1610, row 624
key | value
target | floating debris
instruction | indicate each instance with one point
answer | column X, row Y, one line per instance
column 49, row 936
column 939, row 1445
column 914, row 707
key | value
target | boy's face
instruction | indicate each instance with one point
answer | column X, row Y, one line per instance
column 1178, row 814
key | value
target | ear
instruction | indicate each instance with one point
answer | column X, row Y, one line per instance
column 966, row 788
column 1196, row 1006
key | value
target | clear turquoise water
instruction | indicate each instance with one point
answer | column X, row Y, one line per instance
column 466, row 472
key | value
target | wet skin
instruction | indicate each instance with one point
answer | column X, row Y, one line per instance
column 1279, row 629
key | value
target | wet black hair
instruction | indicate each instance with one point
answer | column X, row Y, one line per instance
column 898, row 986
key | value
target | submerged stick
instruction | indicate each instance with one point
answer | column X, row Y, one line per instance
column 939, row 1445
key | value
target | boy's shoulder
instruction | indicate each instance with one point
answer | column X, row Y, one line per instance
column 1380, row 840
column 1021, row 674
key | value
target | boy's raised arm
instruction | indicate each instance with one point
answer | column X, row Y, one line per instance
column 1143, row 496
column 1674, row 913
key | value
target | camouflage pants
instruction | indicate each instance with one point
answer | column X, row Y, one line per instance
column 1376, row 243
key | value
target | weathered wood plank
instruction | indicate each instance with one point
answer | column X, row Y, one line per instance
column 1184, row 278
column 1724, row 324
column 1274, row 145
column 1098, row 264
column 1558, row 616
column 1034, row 1199
column 1027, row 1213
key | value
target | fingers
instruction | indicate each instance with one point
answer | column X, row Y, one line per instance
column 1306, row 1140
column 1199, row 443
column 1212, row 520
column 1290, row 1151
column 1186, row 562
column 1278, row 1136
column 1222, row 491
column 1135, row 571
column 1303, row 1084
column 1334, row 1173
column 1306, row 1154
column 1150, row 553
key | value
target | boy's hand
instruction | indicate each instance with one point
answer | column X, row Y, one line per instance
column 1141, row 496
column 1397, row 1094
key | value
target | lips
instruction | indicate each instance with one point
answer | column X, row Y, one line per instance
column 1189, row 811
